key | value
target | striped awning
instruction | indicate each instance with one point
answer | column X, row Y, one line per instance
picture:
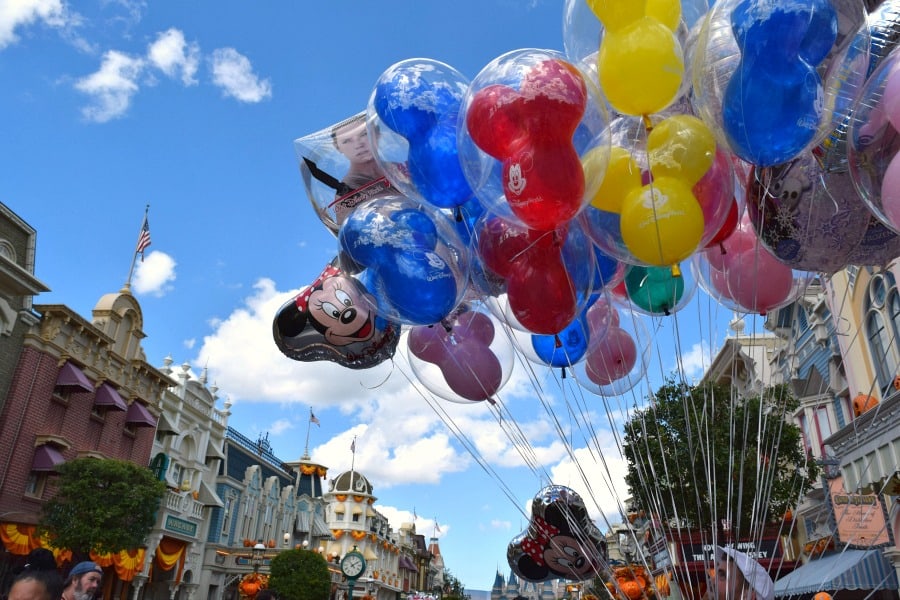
column 846, row 570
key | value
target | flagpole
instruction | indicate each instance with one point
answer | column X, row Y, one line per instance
column 308, row 427
column 353, row 457
column 134, row 256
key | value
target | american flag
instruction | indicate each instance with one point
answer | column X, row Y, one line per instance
column 143, row 238
column 314, row 419
column 353, row 446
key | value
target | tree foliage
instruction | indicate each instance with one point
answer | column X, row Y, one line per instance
column 454, row 589
column 102, row 505
column 300, row 575
column 702, row 455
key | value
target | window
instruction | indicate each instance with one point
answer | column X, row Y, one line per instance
column 356, row 517
column 882, row 322
column 34, row 486
column 823, row 423
column 226, row 514
column 176, row 472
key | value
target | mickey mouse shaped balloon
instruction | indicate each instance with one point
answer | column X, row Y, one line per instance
column 333, row 319
column 561, row 540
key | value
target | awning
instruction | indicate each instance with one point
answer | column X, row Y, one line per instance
column 46, row 458
column 139, row 416
column 208, row 496
column 165, row 426
column 339, row 509
column 847, row 570
column 369, row 554
column 108, row 397
column 356, row 510
column 213, row 451
column 72, row 378
column 319, row 526
column 407, row 563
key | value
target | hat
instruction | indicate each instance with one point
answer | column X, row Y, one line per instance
column 40, row 559
column 85, row 567
column 754, row 573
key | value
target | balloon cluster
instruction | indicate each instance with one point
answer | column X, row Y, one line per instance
column 557, row 195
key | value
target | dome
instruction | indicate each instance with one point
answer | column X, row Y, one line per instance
column 351, row 482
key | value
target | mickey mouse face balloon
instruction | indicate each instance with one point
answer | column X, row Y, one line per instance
column 561, row 540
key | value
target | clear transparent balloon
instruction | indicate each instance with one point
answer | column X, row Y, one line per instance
column 776, row 72
column 616, row 362
column 532, row 106
column 466, row 359
column 412, row 120
column 874, row 142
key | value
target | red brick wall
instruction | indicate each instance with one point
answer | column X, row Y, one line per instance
column 30, row 410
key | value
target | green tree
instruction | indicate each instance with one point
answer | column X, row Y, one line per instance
column 454, row 589
column 102, row 505
column 300, row 575
column 702, row 455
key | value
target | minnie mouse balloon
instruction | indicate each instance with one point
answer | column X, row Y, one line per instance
column 334, row 319
column 561, row 540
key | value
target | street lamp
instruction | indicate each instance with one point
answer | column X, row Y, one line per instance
column 257, row 555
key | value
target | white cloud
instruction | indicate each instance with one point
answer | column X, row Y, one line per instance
column 172, row 55
column 695, row 361
column 600, row 483
column 111, row 87
column 280, row 426
column 22, row 13
column 501, row 525
column 233, row 73
column 155, row 274
column 246, row 365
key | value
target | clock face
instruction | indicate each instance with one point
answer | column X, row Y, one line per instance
column 353, row 565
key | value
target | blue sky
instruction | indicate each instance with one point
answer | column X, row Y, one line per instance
column 193, row 108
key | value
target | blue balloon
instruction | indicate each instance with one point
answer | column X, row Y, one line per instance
column 772, row 103
column 406, row 270
column 426, row 114
column 565, row 348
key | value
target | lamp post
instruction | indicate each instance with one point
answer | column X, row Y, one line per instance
column 256, row 555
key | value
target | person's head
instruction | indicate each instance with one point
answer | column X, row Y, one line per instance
column 739, row 577
column 265, row 594
column 40, row 559
column 351, row 139
column 36, row 584
column 83, row 581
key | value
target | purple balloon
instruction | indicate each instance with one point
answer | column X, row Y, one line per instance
column 463, row 353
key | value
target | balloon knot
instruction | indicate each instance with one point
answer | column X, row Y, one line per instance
column 459, row 216
column 563, row 371
column 557, row 343
column 676, row 271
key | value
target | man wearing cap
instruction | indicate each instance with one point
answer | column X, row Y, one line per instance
column 83, row 581
column 739, row 577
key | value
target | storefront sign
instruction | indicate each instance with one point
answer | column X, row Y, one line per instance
column 758, row 549
column 860, row 518
column 181, row 526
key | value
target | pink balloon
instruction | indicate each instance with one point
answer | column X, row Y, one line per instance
column 890, row 99
column 463, row 354
column 757, row 281
column 890, row 191
column 742, row 238
column 600, row 317
column 719, row 281
column 612, row 358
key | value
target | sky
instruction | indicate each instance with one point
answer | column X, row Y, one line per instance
column 193, row 108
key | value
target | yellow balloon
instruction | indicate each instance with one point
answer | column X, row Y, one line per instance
column 615, row 14
column 662, row 223
column 641, row 67
column 667, row 12
column 623, row 175
column 681, row 146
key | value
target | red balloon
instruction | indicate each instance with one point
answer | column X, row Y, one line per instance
column 612, row 358
column 540, row 291
column 530, row 131
column 727, row 228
